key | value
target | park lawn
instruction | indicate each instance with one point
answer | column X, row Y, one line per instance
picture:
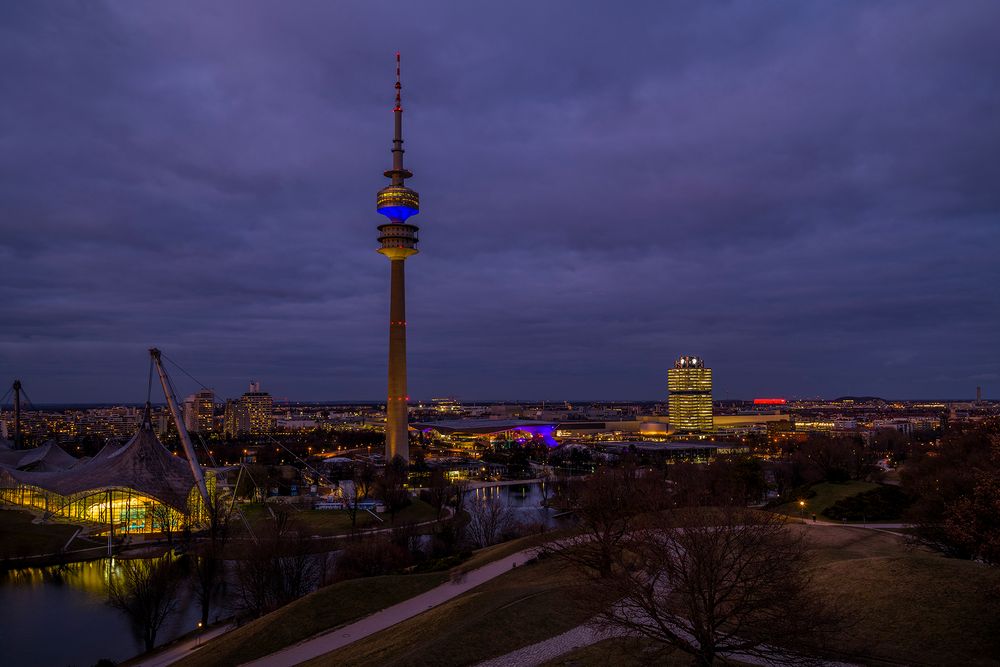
column 487, row 555
column 623, row 652
column 919, row 608
column 20, row 537
column 830, row 542
column 827, row 494
column 320, row 611
column 524, row 606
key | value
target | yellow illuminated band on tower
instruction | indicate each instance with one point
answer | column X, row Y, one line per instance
column 397, row 196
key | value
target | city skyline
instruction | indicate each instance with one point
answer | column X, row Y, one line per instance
column 805, row 195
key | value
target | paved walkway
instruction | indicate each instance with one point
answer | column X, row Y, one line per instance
column 182, row 649
column 578, row 637
column 340, row 637
column 585, row 635
column 543, row 651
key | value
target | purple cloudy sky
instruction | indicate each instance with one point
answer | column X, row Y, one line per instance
column 807, row 194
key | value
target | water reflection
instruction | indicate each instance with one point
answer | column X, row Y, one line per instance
column 526, row 500
column 58, row 615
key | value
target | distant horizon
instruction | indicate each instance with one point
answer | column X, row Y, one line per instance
column 6, row 407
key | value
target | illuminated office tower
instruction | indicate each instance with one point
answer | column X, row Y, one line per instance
column 199, row 411
column 690, row 386
column 399, row 240
column 256, row 411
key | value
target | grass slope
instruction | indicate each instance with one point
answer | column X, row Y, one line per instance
column 623, row 652
column 827, row 493
column 910, row 605
column 322, row 610
column 20, row 537
column 830, row 543
column 337, row 605
column 524, row 606
column 918, row 609
column 489, row 554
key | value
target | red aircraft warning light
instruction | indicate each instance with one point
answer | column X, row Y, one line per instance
column 769, row 401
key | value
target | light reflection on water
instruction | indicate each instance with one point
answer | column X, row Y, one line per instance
column 526, row 500
column 58, row 615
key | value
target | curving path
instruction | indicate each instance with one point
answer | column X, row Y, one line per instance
column 340, row 637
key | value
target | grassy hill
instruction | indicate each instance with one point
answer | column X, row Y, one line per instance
column 909, row 605
column 322, row 610
column 524, row 606
column 333, row 606
column 918, row 609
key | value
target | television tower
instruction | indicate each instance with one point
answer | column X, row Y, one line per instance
column 399, row 240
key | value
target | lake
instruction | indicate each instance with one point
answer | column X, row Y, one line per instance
column 58, row 615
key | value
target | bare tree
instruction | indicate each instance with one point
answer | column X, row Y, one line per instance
column 146, row 591
column 209, row 574
column 717, row 582
column 351, row 502
column 391, row 486
column 605, row 506
column 437, row 491
column 489, row 519
column 277, row 568
column 209, row 568
column 370, row 556
column 163, row 520
column 545, row 478
column 459, row 490
column 364, row 477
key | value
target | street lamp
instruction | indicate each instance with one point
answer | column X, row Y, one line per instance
column 802, row 509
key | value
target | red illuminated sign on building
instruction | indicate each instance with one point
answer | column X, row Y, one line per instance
column 768, row 401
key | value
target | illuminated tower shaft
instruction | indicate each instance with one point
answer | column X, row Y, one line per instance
column 399, row 240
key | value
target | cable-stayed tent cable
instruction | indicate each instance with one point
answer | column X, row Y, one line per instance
column 204, row 445
column 290, row 452
column 181, row 369
column 319, row 475
column 28, row 399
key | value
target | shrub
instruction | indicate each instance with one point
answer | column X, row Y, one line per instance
column 881, row 504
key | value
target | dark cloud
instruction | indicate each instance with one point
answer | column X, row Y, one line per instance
column 803, row 193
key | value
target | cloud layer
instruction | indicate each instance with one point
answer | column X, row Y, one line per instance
column 805, row 194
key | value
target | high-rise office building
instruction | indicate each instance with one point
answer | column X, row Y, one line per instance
column 690, row 402
column 199, row 411
column 234, row 419
column 398, row 240
column 253, row 413
column 258, row 408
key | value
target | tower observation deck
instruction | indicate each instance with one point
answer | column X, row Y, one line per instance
column 398, row 239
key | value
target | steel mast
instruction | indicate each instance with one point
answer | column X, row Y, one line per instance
column 192, row 458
